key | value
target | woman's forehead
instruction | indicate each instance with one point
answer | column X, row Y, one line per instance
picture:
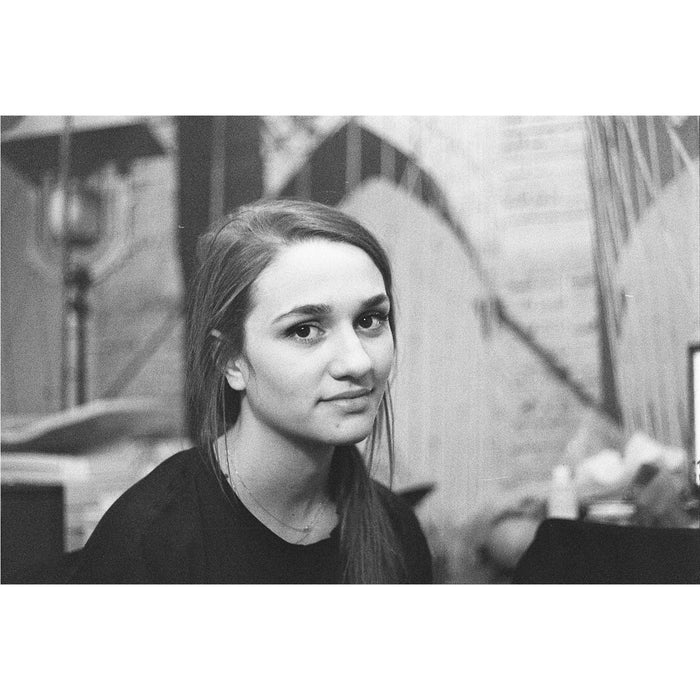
column 316, row 272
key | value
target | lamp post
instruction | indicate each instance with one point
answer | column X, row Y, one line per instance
column 74, row 221
column 77, row 239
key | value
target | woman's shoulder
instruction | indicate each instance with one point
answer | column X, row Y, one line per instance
column 135, row 538
column 160, row 486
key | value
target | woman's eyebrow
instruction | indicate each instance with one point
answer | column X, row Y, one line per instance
column 376, row 300
column 325, row 309
column 306, row 310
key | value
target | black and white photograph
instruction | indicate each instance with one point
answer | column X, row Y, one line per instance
column 298, row 349
column 406, row 300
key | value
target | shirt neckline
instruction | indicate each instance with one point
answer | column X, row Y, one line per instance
column 233, row 501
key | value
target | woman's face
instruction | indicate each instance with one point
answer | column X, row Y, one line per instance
column 317, row 348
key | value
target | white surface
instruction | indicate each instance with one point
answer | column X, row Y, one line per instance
column 31, row 468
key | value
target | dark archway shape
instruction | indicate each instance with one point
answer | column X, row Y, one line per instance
column 353, row 154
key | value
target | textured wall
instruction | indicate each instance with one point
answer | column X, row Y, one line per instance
column 659, row 274
column 544, row 268
column 31, row 305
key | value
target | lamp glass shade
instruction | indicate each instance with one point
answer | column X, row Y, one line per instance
column 83, row 216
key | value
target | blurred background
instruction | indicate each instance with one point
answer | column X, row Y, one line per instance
column 547, row 275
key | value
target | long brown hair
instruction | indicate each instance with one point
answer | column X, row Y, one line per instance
column 232, row 255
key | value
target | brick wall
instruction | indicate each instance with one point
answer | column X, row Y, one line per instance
column 544, row 268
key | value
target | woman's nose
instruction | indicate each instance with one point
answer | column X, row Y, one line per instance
column 350, row 359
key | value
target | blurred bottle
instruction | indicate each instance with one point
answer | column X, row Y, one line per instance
column 562, row 501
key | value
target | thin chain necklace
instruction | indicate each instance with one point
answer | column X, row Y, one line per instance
column 305, row 531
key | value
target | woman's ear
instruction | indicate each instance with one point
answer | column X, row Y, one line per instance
column 231, row 370
column 235, row 375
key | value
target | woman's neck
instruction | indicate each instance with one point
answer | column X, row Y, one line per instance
column 287, row 476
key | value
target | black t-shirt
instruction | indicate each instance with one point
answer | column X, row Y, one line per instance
column 177, row 525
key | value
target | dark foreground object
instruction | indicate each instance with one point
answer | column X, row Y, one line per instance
column 572, row 551
column 32, row 527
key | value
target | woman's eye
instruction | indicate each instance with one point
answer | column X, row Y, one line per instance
column 371, row 322
column 305, row 331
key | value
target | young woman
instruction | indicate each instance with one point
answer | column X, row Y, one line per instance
column 290, row 342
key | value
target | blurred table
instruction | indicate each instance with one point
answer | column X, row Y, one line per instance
column 575, row 551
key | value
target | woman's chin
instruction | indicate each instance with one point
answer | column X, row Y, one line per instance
column 349, row 435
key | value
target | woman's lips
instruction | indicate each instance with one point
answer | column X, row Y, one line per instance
column 352, row 394
column 355, row 400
